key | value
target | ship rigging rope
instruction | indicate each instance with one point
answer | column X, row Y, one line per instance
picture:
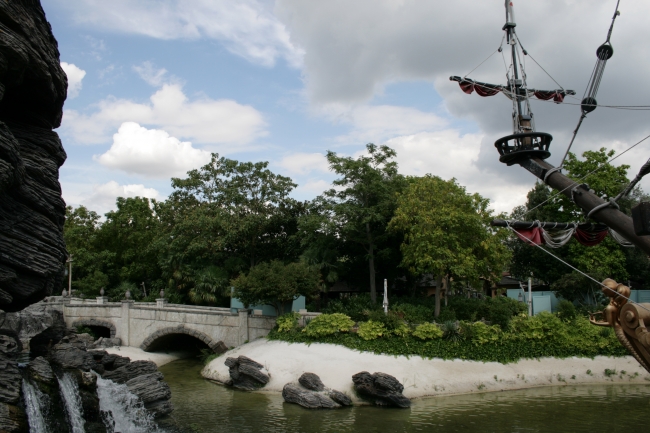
column 589, row 104
column 556, row 193
column 574, row 268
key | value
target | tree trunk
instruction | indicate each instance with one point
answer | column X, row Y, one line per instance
column 438, row 290
column 446, row 288
column 371, row 265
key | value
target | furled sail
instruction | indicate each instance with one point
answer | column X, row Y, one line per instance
column 486, row 89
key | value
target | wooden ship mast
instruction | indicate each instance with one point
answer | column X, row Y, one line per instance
column 529, row 149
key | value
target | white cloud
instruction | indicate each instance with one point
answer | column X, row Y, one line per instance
column 304, row 163
column 103, row 196
column 376, row 123
column 75, row 77
column 202, row 120
column 246, row 27
column 151, row 75
column 151, row 153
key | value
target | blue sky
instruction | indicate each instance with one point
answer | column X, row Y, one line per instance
column 155, row 86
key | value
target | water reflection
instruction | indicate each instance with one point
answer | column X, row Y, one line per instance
column 202, row 406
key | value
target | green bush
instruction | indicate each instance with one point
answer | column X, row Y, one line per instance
column 480, row 333
column 371, row 330
column 427, row 331
column 566, row 310
column 328, row 324
column 402, row 330
column 356, row 307
column 414, row 313
column 287, row 322
column 450, row 331
column 543, row 335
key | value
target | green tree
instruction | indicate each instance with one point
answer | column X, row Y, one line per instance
column 447, row 233
column 239, row 208
column 274, row 283
column 607, row 259
column 354, row 213
column 91, row 262
column 128, row 233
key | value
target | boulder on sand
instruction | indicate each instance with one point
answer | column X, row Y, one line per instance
column 246, row 374
column 311, row 393
column 380, row 389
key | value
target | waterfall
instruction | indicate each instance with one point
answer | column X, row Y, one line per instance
column 70, row 394
column 37, row 406
column 122, row 411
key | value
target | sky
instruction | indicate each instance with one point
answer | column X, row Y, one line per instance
column 155, row 86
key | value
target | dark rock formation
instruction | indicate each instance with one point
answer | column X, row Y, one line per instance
column 293, row 393
column 12, row 417
column 40, row 370
column 71, row 353
column 311, row 381
column 32, row 91
column 111, row 361
column 107, row 342
column 153, row 391
column 38, row 327
column 130, row 371
column 144, row 380
column 246, row 374
column 312, row 394
column 380, row 389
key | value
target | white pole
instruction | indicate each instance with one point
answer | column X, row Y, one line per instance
column 70, row 276
column 530, row 296
column 385, row 296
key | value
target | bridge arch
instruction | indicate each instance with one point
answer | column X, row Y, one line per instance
column 215, row 346
column 94, row 323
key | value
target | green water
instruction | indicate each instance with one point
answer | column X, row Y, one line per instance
column 203, row 406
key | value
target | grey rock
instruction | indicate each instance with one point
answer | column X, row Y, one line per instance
column 130, row 371
column 12, row 419
column 40, row 370
column 10, row 378
column 38, row 327
column 245, row 373
column 293, row 393
column 153, row 391
column 107, row 342
column 111, row 361
column 33, row 88
column 9, row 345
column 311, row 381
column 311, row 393
column 380, row 389
column 340, row 398
column 70, row 355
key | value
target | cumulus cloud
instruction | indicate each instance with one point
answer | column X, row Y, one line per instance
column 151, row 153
column 201, row 120
column 153, row 76
column 246, row 27
column 103, row 196
column 304, row 163
column 376, row 123
column 75, row 77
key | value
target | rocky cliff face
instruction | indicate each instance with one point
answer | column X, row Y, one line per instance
column 32, row 91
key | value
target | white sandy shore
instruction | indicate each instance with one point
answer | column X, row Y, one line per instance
column 137, row 354
column 422, row 377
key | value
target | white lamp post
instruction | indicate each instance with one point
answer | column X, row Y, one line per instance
column 385, row 296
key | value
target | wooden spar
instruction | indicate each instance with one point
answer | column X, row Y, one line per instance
column 586, row 200
column 547, row 225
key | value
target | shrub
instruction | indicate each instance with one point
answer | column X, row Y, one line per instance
column 414, row 313
column 479, row 332
column 391, row 321
column 402, row 330
column 287, row 322
column 450, row 331
column 427, row 331
column 500, row 310
column 371, row 330
column 354, row 307
column 566, row 310
column 328, row 324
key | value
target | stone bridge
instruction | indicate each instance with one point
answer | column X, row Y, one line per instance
column 147, row 324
